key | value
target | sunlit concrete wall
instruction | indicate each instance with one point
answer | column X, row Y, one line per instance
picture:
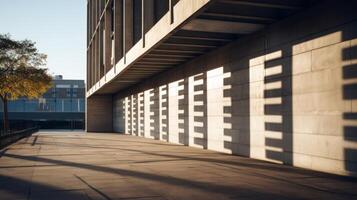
column 286, row 94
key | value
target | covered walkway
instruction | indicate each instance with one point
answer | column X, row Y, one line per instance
column 76, row 165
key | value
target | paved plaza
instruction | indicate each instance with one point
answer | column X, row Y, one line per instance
column 78, row 165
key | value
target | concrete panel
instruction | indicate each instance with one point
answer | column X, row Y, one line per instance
column 99, row 115
column 282, row 96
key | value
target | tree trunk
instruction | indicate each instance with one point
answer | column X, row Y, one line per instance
column 5, row 115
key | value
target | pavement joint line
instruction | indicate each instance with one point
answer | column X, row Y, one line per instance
column 93, row 188
column 211, row 175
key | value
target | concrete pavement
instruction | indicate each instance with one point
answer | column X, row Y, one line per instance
column 77, row 165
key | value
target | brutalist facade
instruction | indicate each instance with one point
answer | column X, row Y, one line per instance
column 268, row 79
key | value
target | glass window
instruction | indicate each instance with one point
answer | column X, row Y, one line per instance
column 31, row 105
column 16, row 106
column 51, row 105
column 81, row 105
column 59, row 105
column 75, row 105
column 67, row 105
column 68, row 92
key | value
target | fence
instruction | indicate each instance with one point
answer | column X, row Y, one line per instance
column 13, row 136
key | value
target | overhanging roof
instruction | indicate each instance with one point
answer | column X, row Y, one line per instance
column 198, row 27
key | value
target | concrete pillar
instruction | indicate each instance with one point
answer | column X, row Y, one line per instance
column 88, row 64
column 173, row 112
column 163, row 113
column 132, row 127
column 97, row 57
column 88, row 24
column 127, row 115
column 139, row 114
column 94, row 59
column 99, row 115
column 215, row 105
column 101, row 52
column 107, row 38
column 190, row 110
column 93, row 16
column 147, row 113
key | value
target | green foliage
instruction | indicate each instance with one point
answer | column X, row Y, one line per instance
column 20, row 72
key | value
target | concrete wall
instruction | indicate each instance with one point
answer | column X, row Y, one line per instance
column 286, row 94
column 99, row 115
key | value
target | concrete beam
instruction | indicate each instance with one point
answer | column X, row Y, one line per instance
column 186, row 10
column 218, row 26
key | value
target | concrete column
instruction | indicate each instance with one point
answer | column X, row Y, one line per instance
column 135, row 114
column 215, row 105
column 99, row 115
column 93, row 15
column 173, row 112
column 107, row 38
column 190, row 109
column 132, row 128
column 126, row 115
column 139, row 114
column 97, row 65
column 88, row 67
column 162, row 110
column 95, row 59
column 88, row 24
column 147, row 113
column 101, row 53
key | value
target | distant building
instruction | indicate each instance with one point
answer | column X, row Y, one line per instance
column 62, row 106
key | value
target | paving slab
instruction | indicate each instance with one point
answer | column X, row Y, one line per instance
column 78, row 165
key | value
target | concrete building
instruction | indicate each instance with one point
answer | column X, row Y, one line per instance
column 267, row 79
column 61, row 107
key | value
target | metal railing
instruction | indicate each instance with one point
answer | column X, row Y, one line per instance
column 13, row 136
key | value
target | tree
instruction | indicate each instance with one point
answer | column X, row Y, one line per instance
column 21, row 74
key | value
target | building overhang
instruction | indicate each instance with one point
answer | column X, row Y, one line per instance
column 189, row 30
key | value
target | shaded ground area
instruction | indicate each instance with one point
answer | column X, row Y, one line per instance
column 74, row 165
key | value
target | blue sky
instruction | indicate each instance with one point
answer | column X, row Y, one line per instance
column 57, row 26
